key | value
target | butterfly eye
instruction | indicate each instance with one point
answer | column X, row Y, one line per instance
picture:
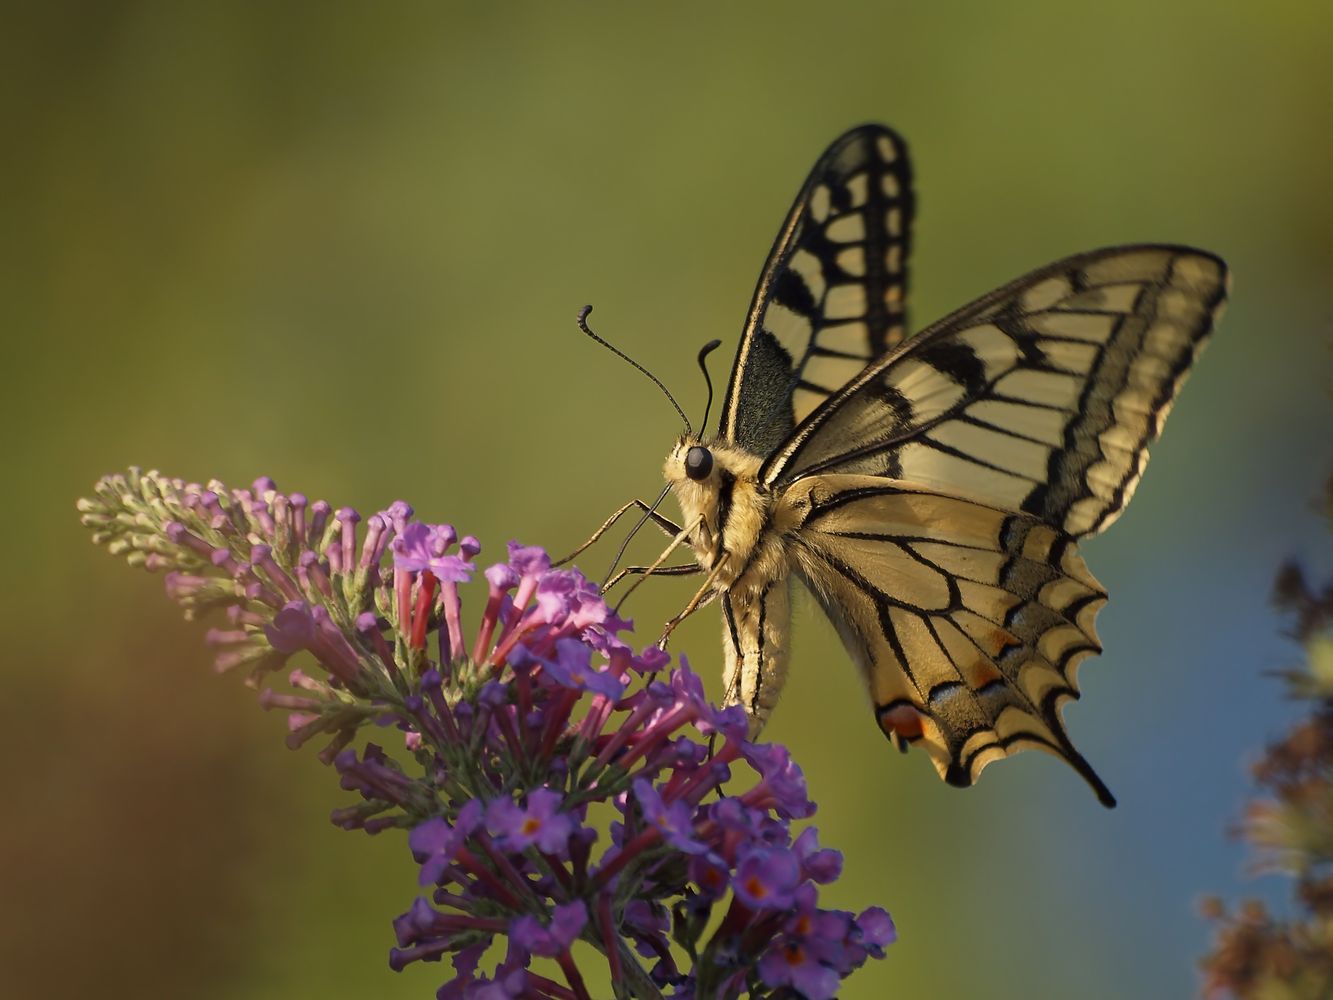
column 698, row 463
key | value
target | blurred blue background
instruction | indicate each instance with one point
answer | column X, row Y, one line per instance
column 343, row 245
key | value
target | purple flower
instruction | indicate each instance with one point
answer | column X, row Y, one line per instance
column 825, row 934
column 675, row 821
column 528, row 560
column 783, row 785
column 567, row 922
column 397, row 514
column 566, row 596
column 587, row 608
column 572, row 668
column 792, row 964
column 833, row 938
column 502, row 577
column 465, row 968
column 515, row 738
column 423, row 547
column 766, row 878
column 182, row 587
column 822, row 866
column 688, row 755
column 507, row 985
column 452, row 569
column 415, row 923
column 493, row 695
column 732, row 814
column 688, row 688
column 652, row 660
column 435, row 843
column 647, row 920
column 540, row 822
column 731, row 723
column 292, row 629
column 875, row 930
column 414, row 548
column 710, row 875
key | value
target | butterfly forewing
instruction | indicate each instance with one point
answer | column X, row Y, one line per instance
column 831, row 297
column 1040, row 398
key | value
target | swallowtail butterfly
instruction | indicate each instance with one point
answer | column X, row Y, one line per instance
column 931, row 491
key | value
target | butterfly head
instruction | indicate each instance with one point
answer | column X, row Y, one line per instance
column 713, row 480
column 701, row 463
column 708, row 465
column 691, row 464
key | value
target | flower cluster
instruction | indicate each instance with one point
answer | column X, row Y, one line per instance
column 559, row 787
column 1257, row 955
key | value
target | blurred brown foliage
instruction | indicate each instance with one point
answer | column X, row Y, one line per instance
column 1256, row 955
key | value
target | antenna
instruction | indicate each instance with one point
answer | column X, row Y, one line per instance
column 583, row 325
column 704, row 351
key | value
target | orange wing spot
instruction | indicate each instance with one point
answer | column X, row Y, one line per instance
column 979, row 673
column 901, row 720
column 1000, row 639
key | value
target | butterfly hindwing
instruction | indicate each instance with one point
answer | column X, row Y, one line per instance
column 831, row 297
column 1040, row 398
column 967, row 622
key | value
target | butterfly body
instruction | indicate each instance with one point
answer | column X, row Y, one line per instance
column 742, row 542
column 930, row 492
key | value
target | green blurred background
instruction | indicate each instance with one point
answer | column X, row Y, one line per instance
column 343, row 245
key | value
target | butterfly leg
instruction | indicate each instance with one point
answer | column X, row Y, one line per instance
column 703, row 596
column 684, row 569
column 668, row 526
column 682, row 536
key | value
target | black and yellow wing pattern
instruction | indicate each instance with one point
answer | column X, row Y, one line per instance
column 930, row 491
column 832, row 296
column 1041, row 397
column 944, row 487
column 968, row 622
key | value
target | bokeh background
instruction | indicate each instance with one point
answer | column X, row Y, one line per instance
column 343, row 244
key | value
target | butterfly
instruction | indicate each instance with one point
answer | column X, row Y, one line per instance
column 931, row 491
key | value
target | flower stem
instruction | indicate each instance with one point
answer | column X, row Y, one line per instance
column 571, row 971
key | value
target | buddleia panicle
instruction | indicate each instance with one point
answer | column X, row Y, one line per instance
column 510, row 740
